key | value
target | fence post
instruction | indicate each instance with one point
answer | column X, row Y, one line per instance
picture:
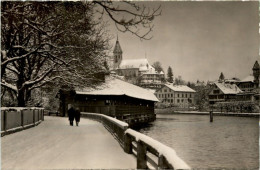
column 141, row 155
column 211, row 116
column 4, row 121
column 34, row 117
column 127, row 144
column 162, row 163
column 22, row 118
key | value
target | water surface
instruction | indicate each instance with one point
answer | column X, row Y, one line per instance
column 228, row 142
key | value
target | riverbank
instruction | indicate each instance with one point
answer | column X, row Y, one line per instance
column 171, row 111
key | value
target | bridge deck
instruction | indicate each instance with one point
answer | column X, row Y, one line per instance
column 55, row 145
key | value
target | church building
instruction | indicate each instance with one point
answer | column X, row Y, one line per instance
column 136, row 71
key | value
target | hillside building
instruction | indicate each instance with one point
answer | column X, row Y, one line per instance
column 136, row 71
column 230, row 90
column 223, row 92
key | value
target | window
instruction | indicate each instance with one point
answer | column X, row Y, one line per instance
column 168, row 95
column 182, row 95
column 178, row 101
column 178, row 95
column 107, row 102
column 165, row 90
column 186, row 95
column 215, row 91
column 171, row 95
column 190, row 94
column 171, row 101
column 182, row 100
column 159, row 95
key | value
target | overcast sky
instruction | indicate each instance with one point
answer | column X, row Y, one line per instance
column 200, row 39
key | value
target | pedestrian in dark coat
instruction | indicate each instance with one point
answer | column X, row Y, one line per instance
column 71, row 115
column 77, row 116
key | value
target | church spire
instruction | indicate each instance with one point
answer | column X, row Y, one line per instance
column 256, row 66
column 117, row 48
column 117, row 54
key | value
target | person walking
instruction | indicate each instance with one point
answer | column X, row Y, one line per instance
column 77, row 116
column 71, row 115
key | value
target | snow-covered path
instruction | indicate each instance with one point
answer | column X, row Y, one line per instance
column 55, row 145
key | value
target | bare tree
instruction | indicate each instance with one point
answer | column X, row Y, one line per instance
column 133, row 17
column 157, row 66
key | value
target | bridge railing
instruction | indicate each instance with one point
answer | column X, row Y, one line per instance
column 149, row 152
column 14, row 119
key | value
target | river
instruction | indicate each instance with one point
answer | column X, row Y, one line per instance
column 228, row 142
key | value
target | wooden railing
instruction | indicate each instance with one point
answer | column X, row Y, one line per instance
column 15, row 119
column 150, row 154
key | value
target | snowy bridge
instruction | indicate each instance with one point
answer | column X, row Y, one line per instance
column 54, row 144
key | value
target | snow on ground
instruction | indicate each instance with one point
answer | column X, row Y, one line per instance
column 118, row 122
column 55, row 145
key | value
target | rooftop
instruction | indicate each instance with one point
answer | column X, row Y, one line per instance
column 180, row 88
column 227, row 88
column 249, row 78
column 134, row 63
column 114, row 86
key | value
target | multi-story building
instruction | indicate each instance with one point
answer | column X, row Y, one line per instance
column 152, row 79
column 250, row 86
column 232, row 90
column 247, row 84
column 223, row 92
column 136, row 71
column 251, row 82
column 178, row 95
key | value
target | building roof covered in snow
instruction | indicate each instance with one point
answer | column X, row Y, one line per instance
column 249, row 78
column 134, row 63
column 180, row 88
column 114, row 86
column 150, row 70
column 227, row 88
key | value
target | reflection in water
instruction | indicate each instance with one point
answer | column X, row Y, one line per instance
column 228, row 142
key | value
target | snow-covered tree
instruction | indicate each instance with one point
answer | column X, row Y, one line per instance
column 61, row 42
column 48, row 42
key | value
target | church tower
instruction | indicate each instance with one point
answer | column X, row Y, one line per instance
column 117, row 54
column 256, row 72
